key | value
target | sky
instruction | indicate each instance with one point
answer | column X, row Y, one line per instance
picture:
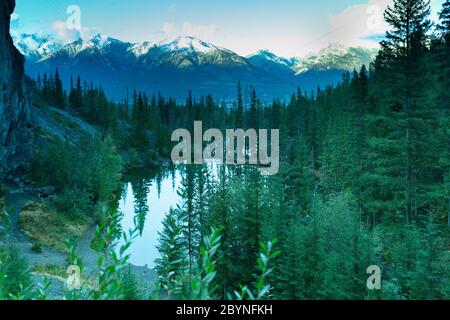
column 288, row 28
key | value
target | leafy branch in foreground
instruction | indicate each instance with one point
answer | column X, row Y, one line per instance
column 202, row 285
column 113, row 281
column 15, row 276
column 262, row 288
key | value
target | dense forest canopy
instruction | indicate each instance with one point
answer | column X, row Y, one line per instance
column 364, row 177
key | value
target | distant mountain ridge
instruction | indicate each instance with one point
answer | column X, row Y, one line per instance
column 175, row 66
column 337, row 57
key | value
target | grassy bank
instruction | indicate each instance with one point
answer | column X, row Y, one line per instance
column 50, row 228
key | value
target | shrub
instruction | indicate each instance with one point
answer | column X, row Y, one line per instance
column 37, row 247
column 83, row 174
column 15, row 277
column 130, row 286
column 75, row 202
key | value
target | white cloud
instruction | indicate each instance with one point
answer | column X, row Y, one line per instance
column 200, row 31
column 358, row 25
column 15, row 16
column 361, row 25
column 15, row 21
column 67, row 35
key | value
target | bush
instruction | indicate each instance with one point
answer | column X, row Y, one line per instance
column 37, row 247
column 130, row 286
column 15, row 277
column 83, row 174
column 50, row 228
column 77, row 203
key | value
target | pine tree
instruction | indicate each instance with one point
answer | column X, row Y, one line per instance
column 201, row 197
column 430, row 265
column 444, row 18
column 239, row 120
column 220, row 216
column 188, row 217
column 58, row 91
column 172, row 262
column 399, row 63
column 253, row 115
column 442, row 56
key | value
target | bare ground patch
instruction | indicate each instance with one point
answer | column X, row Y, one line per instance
column 50, row 228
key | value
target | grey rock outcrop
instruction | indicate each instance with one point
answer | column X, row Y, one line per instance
column 14, row 100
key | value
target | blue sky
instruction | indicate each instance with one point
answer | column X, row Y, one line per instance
column 286, row 27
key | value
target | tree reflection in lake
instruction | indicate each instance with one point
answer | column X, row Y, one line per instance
column 146, row 199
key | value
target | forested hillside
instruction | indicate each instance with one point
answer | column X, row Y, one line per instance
column 364, row 180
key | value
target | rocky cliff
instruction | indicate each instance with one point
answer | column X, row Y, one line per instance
column 14, row 100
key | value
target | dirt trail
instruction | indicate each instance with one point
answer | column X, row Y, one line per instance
column 22, row 242
column 145, row 277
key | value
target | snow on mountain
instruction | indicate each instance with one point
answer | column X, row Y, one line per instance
column 180, row 44
column 178, row 65
column 98, row 44
column 140, row 49
column 187, row 43
column 187, row 53
column 265, row 56
column 336, row 57
column 272, row 63
column 35, row 46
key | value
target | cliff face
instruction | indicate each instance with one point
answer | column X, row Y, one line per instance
column 14, row 100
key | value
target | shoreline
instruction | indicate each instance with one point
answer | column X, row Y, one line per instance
column 50, row 257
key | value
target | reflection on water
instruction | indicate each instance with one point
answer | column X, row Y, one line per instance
column 146, row 201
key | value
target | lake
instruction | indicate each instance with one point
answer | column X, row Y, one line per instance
column 148, row 200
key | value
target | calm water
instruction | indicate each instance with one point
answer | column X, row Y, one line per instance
column 148, row 200
column 145, row 203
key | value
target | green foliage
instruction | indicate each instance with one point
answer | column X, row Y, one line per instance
column 203, row 286
column 114, row 279
column 15, row 277
column 37, row 247
column 130, row 286
column 262, row 288
column 171, row 266
column 84, row 174
column 364, row 181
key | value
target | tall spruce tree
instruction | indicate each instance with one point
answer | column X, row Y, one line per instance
column 399, row 62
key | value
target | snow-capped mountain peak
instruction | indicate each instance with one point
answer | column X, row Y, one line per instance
column 269, row 56
column 140, row 49
column 99, row 43
column 187, row 43
column 36, row 46
column 336, row 57
column 172, row 64
column 100, row 40
column 179, row 44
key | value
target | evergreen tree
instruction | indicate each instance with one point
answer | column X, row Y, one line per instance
column 399, row 63
column 171, row 265
column 189, row 218
column 58, row 91
column 239, row 117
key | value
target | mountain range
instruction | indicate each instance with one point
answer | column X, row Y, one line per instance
column 175, row 66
